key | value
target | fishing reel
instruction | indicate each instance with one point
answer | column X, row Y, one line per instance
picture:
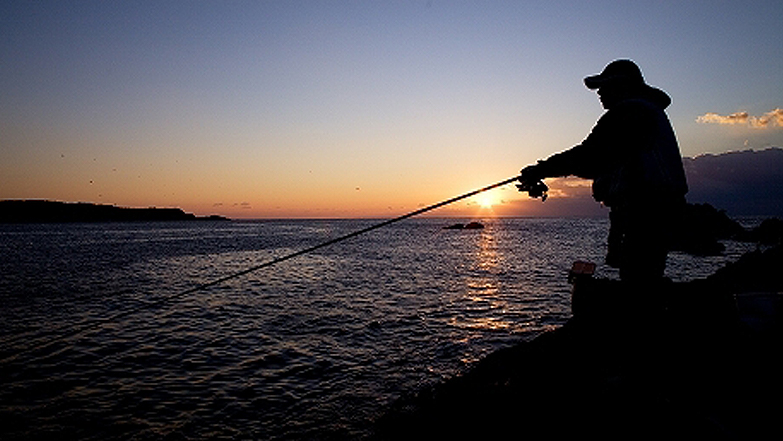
column 535, row 189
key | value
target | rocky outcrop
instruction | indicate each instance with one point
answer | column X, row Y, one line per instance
column 42, row 211
column 468, row 226
column 703, row 227
column 682, row 360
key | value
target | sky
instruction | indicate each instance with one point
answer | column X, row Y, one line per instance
column 270, row 109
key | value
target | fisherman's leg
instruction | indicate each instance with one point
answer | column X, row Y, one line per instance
column 644, row 252
column 643, row 259
column 647, row 236
column 615, row 239
column 644, row 318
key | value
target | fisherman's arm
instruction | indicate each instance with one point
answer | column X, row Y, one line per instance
column 605, row 146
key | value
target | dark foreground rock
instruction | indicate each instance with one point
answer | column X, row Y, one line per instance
column 699, row 360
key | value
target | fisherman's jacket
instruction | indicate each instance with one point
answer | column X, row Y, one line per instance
column 631, row 155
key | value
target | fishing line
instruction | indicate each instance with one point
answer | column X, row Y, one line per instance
column 99, row 322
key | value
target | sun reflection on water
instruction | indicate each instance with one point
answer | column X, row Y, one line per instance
column 484, row 308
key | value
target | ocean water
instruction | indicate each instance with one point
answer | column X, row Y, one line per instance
column 102, row 338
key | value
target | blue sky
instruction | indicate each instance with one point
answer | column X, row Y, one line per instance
column 343, row 108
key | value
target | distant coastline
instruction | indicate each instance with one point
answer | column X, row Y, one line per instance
column 45, row 211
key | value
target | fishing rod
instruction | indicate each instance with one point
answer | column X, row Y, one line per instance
column 347, row 236
column 534, row 191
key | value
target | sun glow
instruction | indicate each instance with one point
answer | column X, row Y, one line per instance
column 486, row 200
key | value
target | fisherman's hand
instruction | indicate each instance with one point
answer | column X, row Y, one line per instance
column 531, row 173
column 534, row 189
column 530, row 181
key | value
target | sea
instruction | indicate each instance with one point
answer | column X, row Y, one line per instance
column 118, row 331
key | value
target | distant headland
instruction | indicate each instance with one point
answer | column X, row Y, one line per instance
column 44, row 211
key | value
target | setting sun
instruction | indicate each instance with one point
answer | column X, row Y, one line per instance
column 486, row 200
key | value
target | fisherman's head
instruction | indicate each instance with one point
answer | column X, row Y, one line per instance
column 619, row 80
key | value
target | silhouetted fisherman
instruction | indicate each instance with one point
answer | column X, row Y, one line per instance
column 634, row 161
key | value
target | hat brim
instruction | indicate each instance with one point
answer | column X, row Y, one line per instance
column 598, row 81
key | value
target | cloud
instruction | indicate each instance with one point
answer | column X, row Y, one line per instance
column 569, row 187
column 769, row 119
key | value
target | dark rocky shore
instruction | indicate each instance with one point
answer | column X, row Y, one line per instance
column 42, row 211
column 696, row 360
